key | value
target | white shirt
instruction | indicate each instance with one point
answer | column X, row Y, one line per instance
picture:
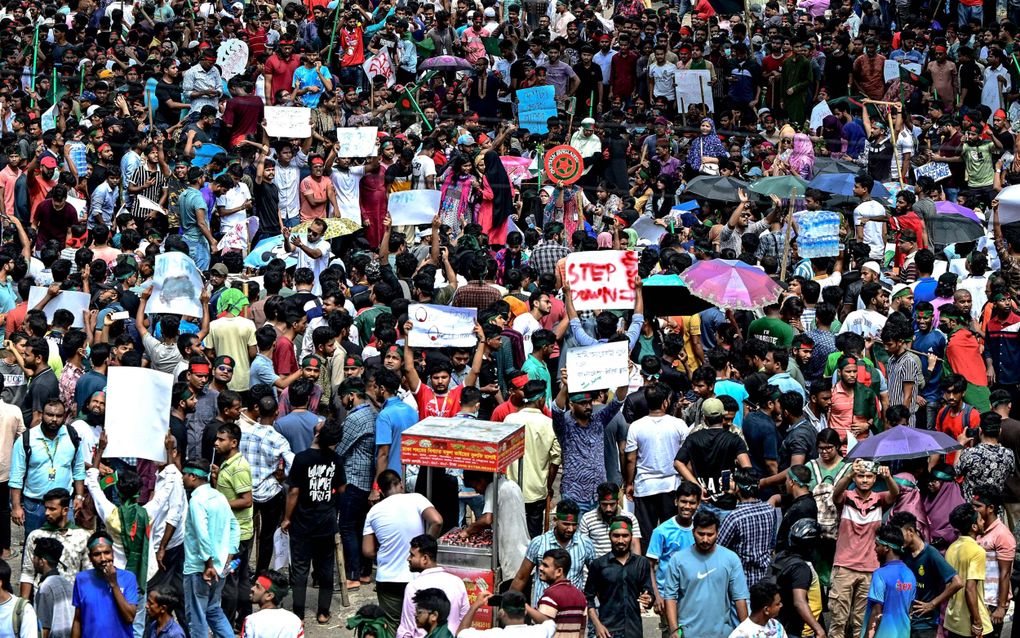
column 512, row 523
column 287, row 179
column 317, row 265
column 422, row 167
column 29, row 621
column 866, row 323
column 992, row 90
column 605, row 62
column 526, row 324
column 663, row 79
column 656, row 439
column 394, row 521
column 347, row 185
column 751, row 629
column 234, row 198
column 272, row 623
column 872, row 230
column 545, row 630
column 976, row 286
column 441, row 579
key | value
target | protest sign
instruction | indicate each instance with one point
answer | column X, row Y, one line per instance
column 232, row 58
column 819, row 113
column 891, row 69
column 48, row 120
column 380, row 64
column 137, row 413
column 598, row 367
column 177, row 286
column 817, row 233
column 441, row 326
column 603, row 279
column 938, row 171
column 74, row 302
column 79, row 205
column 268, row 249
column 647, row 229
column 288, row 121
column 409, row 208
column 148, row 204
column 692, row 87
column 356, row 141
column 534, row 108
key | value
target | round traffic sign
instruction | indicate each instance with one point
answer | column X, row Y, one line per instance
column 563, row 164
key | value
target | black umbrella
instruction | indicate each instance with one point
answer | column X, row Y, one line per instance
column 953, row 228
column 667, row 295
column 723, row 189
column 824, row 165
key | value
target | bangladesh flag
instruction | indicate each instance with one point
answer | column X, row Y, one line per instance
column 906, row 75
column 491, row 45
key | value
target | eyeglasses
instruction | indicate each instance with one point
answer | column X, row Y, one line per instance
column 224, row 368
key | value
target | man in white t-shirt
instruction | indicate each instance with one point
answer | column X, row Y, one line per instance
column 313, row 252
column 511, row 617
column 347, row 184
column 652, row 445
column 538, row 307
column 870, row 321
column 423, row 167
column 271, row 620
column 662, row 76
column 389, row 528
column 869, row 218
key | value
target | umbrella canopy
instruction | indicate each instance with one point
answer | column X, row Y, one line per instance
column 781, row 186
column 445, row 62
column 843, row 184
column 335, row 227
column 1009, row 204
column 951, row 228
column 903, row 442
column 829, row 166
column 268, row 249
column 894, row 189
column 728, row 283
column 952, row 208
column 723, row 189
column 666, row 295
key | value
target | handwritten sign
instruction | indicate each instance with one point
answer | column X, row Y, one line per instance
column 441, row 326
column 891, row 69
column 597, row 367
column 74, row 302
column 288, row 121
column 380, row 64
column 938, row 171
column 138, row 416
column 603, row 279
column 817, row 233
column 232, row 58
column 413, row 207
column 356, row 141
column 177, row 286
column 692, row 87
column 819, row 113
column 534, row 108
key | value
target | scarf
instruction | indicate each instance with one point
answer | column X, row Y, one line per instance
column 832, row 133
column 802, row 160
column 375, row 626
column 49, row 527
column 709, row 145
column 939, row 506
column 502, row 192
column 134, row 537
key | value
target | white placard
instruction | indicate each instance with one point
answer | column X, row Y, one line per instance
column 232, row 58
column 80, row 205
column 288, row 121
column 380, row 64
column 357, row 141
column 692, row 86
column 819, row 113
column 602, row 280
column 441, row 326
column 148, row 204
column 177, row 287
column 413, row 207
column 137, row 413
column 75, row 302
column 891, row 69
column 600, row 367
column 938, row 171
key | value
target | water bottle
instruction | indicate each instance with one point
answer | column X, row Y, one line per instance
column 232, row 566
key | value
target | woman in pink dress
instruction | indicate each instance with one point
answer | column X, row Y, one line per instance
column 373, row 201
column 497, row 198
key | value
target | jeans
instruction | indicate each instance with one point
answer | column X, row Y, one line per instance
column 202, row 602
column 269, row 515
column 237, row 591
column 353, row 509
column 315, row 551
column 199, row 251
column 5, row 516
column 965, row 14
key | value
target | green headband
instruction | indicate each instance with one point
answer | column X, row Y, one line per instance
column 892, row 546
column 615, row 525
column 100, row 539
column 532, row 399
column 942, row 476
column 999, row 296
column 795, row 480
column 566, row 518
column 196, row 471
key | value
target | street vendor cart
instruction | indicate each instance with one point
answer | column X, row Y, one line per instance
column 467, row 444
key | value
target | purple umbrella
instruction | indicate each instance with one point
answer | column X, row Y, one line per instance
column 729, row 283
column 445, row 62
column 903, row 442
column 952, row 208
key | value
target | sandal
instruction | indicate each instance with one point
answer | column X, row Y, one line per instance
column 353, row 585
column 323, row 619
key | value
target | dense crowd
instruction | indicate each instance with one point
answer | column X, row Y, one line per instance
column 818, row 439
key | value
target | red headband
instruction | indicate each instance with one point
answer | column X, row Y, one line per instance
column 200, row 368
column 519, row 381
column 264, row 582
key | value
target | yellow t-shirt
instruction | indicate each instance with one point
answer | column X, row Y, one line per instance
column 968, row 559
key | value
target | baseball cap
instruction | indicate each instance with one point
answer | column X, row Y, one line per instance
column 220, row 269
column 48, row 162
column 712, row 407
column 466, row 140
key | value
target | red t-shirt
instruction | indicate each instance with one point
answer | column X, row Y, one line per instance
column 505, row 409
column 429, row 404
column 352, row 47
column 952, row 424
column 282, row 72
column 858, row 523
column 284, row 359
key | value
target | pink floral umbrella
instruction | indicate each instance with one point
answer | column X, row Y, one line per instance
column 729, row 283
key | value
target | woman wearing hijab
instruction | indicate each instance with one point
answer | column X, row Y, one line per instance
column 802, row 160
column 832, row 136
column 707, row 148
column 663, row 196
column 497, row 199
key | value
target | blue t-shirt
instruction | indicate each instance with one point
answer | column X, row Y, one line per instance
column 727, row 387
column 298, row 428
column 705, row 587
column 668, row 539
column 893, row 586
column 933, row 341
column 924, row 289
column 305, row 77
column 395, row 417
column 93, row 598
column 762, row 440
column 261, row 371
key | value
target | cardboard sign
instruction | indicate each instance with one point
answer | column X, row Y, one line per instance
column 137, row 413
column 441, row 326
column 232, row 58
column 938, row 171
column 891, row 70
column 380, row 64
column 602, row 280
column 817, row 233
column 413, row 207
column 74, row 302
column 534, row 108
column 692, row 87
column 177, row 286
column 600, row 367
column 357, row 141
column 288, row 121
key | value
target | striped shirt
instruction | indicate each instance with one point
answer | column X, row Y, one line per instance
column 581, row 551
column 597, row 530
column 905, row 368
column 566, row 604
column 154, row 192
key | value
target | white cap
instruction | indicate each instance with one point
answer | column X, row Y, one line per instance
column 897, row 289
column 587, row 122
column 872, row 266
column 490, row 12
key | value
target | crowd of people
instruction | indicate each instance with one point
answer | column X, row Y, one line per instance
column 710, row 496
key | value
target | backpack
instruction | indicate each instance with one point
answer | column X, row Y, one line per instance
column 828, row 514
column 18, row 615
column 940, row 418
column 71, row 433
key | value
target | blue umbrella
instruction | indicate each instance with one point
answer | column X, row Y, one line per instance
column 903, row 442
column 205, row 153
column 266, row 250
column 843, row 184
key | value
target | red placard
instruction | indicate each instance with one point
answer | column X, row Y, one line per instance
column 563, row 164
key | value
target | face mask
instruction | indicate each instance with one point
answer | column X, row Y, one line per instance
column 727, row 51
